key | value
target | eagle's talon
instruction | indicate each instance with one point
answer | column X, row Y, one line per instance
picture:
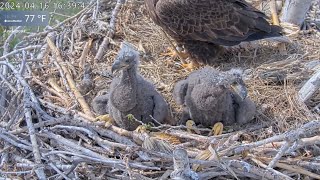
column 174, row 53
column 170, row 52
column 188, row 66
column 191, row 66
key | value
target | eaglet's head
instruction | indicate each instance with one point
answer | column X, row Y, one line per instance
column 127, row 58
column 236, row 83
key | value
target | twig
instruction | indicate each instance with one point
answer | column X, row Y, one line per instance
column 64, row 81
column 40, row 34
column 6, row 48
column 17, row 172
column 6, row 44
column 292, row 168
column 13, row 89
column 310, row 87
column 281, row 152
column 297, row 169
column 183, row 134
column 79, row 97
column 76, row 114
column 63, row 15
column 53, row 91
column 95, row 11
column 274, row 14
column 58, row 171
column 20, row 50
column 275, row 20
column 91, row 4
column 105, row 43
column 107, row 161
column 20, row 159
column 291, row 136
column 87, row 140
column 211, row 174
column 85, row 52
column 26, row 86
column 23, row 63
column 5, row 155
column 13, row 142
column 41, row 124
column 246, row 167
column 57, row 88
column 304, row 142
column 311, row 165
column 72, row 145
column 94, row 136
column 115, row 136
column 13, row 105
column 35, row 148
column 32, row 165
column 45, row 48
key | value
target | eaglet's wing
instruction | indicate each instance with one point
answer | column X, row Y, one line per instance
column 223, row 22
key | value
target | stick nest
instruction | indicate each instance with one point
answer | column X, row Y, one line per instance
column 48, row 128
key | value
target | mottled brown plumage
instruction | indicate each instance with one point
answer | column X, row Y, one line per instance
column 204, row 26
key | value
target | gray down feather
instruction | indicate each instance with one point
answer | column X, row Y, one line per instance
column 100, row 103
column 132, row 94
column 210, row 96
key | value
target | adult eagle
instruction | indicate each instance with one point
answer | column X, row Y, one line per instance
column 202, row 27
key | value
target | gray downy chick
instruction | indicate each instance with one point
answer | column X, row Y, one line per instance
column 210, row 96
column 86, row 84
column 100, row 103
column 132, row 94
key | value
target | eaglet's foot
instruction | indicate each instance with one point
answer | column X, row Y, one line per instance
column 216, row 129
column 106, row 118
column 192, row 127
column 174, row 53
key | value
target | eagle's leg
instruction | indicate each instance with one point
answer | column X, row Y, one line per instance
column 174, row 51
column 183, row 56
column 177, row 51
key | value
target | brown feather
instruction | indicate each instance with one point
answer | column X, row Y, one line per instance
column 210, row 23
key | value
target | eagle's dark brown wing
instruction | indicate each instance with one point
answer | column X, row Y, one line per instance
column 221, row 22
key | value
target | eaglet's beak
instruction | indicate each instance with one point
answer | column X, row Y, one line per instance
column 240, row 89
column 117, row 66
